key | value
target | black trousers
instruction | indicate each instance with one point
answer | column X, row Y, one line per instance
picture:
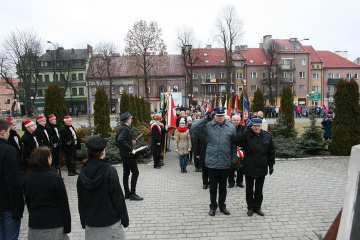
column 157, row 158
column 239, row 176
column 205, row 173
column 254, row 199
column 130, row 165
column 70, row 161
column 55, row 157
column 218, row 177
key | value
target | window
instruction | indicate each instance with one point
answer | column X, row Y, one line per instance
column 331, row 88
column 253, row 75
column 203, row 89
column 131, row 90
column 211, row 88
column 222, row 88
column 74, row 91
column 161, row 88
column 40, row 93
column 284, row 74
column 239, row 75
column 206, row 61
column 348, row 75
column 203, row 76
column 55, row 77
column 81, row 76
column 82, row 107
column 205, row 54
column 148, row 89
column 356, row 76
column 221, row 75
column 291, row 76
column 81, row 91
column 47, row 78
column 121, row 89
column 8, row 101
column 62, row 77
column 302, row 87
column 40, row 78
column 251, row 60
column 73, row 76
column 302, row 74
column 212, row 75
column 302, row 62
column 331, row 75
column 194, row 76
column 195, row 88
column 272, row 75
column 315, row 88
column 240, row 88
column 264, row 75
column 176, row 88
column 112, row 91
column 222, row 61
column 253, row 88
column 315, row 76
column 338, row 75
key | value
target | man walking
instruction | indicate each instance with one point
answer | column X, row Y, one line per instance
column 220, row 154
column 126, row 148
column 11, row 200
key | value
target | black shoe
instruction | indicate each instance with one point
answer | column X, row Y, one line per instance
column 157, row 167
column 231, row 185
column 212, row 212
column 196, row 169
column 127, row 195
column 250, row 212
column 225, row 211
column 241, row 185
column 259, row 212
column 168, row 150
column 205, row 186
column 161, row 164
column 200, row 170
column 182, row 170
column 135, row 197
column 185, row 170
column 71, row 174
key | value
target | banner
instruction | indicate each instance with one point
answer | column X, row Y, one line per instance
column 236, row 104
column 171, row 113
column 246, row 118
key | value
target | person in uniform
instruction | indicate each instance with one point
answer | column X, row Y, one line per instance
column 259, row 159
column 41, row 133
column 70, row 142
column 157, row 147
column 28, row 141
column 220, row 154
column 126, row 148
column 14, row 140
column 101, row 200
column 54, row 141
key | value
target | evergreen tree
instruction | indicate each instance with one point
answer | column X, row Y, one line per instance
column 146, row 111
column 345, row 129
column 55, row 103
column 139, row 109
column 313, row 143
column 102, row 113
column 132, row 111
column 287, row 110
column 259, row 101
column 124, row 103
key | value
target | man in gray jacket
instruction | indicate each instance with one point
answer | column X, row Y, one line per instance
column 220, row 154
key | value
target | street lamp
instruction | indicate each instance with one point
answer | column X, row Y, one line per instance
column 55, row 78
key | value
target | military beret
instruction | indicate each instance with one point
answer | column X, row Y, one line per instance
column 125, row 116
column 96, row 144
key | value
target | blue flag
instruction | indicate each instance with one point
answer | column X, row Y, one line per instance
column 246, row 115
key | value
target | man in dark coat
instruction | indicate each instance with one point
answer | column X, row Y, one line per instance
column 11, row 197
column 70, row 142
column 54, row 141
column 14, row 139
column 41, row 133
column 157, row 147
column 126, row 148
column 259, row 157
column 199, row 146
column 101, row 201
column 29, row 141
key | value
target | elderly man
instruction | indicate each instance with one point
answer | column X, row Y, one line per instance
column 236, row 120
column 220, row 154
column 264, row 122
column 259, row 157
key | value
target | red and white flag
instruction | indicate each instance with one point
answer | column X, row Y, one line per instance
column 171, row 113
column 210, row 109
column 236, row 104
column 228, row 110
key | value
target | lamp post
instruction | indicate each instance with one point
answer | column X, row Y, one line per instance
column 55, row 78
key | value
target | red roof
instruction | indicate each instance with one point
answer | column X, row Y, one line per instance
column 313, row 55
column 255, row 56
column 209, row 57
column 332, row 60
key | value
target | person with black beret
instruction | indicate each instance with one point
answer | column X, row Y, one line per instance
column 101, row 201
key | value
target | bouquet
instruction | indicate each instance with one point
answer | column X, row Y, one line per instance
column 240, row 158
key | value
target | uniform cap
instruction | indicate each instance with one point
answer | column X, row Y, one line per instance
column 125, row 116
column 256, row 121
column 96, row 144
column 220, row 111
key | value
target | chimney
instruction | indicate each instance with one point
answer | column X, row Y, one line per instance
column 293, row 39
column 267, row 39
column 237, row 49
column 243, row 47
column 208, row 46
column 72, row 51
column 47, row 51
column 343, row 54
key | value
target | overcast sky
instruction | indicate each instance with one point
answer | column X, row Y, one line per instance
column 329, row 24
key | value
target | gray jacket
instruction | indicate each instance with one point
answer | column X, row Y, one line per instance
column 221, row 150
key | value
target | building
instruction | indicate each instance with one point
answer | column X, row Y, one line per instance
column 7, row 97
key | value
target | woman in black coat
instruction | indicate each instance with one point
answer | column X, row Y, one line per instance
column 28, row 140
column 199, row 148
column 46, row 198
column 157, row 147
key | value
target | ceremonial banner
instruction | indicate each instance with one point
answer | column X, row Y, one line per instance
column 171, row 113
column 246, row 118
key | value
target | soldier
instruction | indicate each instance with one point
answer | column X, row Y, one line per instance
column 259, row 157
column 42, row 136
column 70, row 142
column 126, row 148
column 54, row 141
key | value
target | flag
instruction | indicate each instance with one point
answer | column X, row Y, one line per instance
column 220, row 103
column 226, row 101
column 171, row 113
column 229, row 107
column 210, row 107
column 215, row 102
column 246, row 112
column 164, row 107
column 204, row 106
column 236, row 104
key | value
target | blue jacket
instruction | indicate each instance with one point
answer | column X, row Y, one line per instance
column 327, row 126
column 220, row 150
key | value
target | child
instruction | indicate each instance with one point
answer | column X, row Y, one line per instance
column 183, row 144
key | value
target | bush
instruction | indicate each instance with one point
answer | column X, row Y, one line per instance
column 313, row 143
column 287, row 111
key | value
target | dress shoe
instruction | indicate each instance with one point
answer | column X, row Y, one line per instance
column 135, row 197
column 205, row 186
column 231, row 185
column 168, row 150
column 71, row 174
column 200, row 170
column 241, row 185
column 127, row 195
column 185, row 170
column 250, row 212
column 225, row 211
column 259, row 212
column 161, row 164
column 212, row 212
column 182, row 170
column 196, row 169
column 157, row 167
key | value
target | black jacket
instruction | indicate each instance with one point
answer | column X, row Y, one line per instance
column 29, row 144
column 42, row 138
column 46, row 200
column 124, row 140
column 68, row 141
column 53, row 131
column 101, row 200
column 259, row 152
column 200, row 145
column 17, row 145
column 157, row 131
column 11, row 197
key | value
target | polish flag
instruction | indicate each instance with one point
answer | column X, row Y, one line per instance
column 171, row 113
column 229, row 107
column 236, row 104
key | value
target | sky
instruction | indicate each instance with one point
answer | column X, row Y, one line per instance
column 330, row 25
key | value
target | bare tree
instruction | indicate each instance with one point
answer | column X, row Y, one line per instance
column 229, row 32
column 146, row 48
column 23, row 49
column 189, row 56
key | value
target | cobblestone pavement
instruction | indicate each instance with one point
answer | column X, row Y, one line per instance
column 302, row 196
